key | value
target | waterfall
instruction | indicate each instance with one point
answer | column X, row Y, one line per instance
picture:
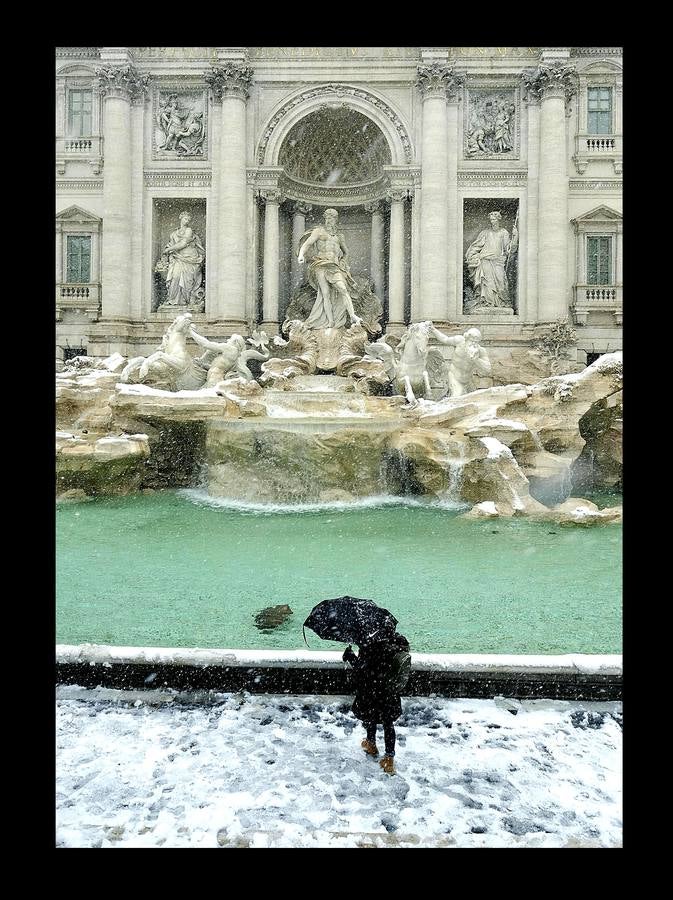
column 454, row 464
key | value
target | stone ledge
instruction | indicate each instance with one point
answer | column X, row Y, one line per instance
column 568, row 677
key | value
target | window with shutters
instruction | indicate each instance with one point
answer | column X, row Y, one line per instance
column 79, row 113
column 599, row 259
column 79, row 259
column 599, row 110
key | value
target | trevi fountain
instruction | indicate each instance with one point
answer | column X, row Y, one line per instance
column 208, row 479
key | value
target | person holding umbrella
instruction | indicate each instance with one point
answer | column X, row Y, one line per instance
column 380, row 676
column 381, row 670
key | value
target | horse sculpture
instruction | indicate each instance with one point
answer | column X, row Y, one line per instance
column 408, row 363
column 166, row 365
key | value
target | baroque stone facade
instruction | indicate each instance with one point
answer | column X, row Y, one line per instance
column 243, row 148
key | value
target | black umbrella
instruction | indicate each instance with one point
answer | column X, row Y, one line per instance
column 350, row 620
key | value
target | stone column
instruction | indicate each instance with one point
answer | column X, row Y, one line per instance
column 528, row 240
column 212, row 215
column 553, row 85
column 271, row 272
column 59, row 253
column 376, row 263
column 455, row 275
column 61, row 104
column 299, row 213
column 396, row 259
column 138, row 309
column 436, row 81
column 118, row 85
column 230, row 83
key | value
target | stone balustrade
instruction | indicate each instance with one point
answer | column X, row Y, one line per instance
column 79, row 146
column 591, row 147
column 596, row 298
column 84, row 297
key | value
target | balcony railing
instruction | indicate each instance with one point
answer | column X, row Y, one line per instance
column 592, row 147
column 79, row 148
column 590, row 298
column 85, row 297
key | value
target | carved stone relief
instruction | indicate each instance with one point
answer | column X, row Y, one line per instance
column 180, row 124
column 491, row 124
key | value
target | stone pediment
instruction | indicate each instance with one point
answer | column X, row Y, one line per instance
column 77, row 216
column 78, row 70
column 602, row 67
column 599, row 214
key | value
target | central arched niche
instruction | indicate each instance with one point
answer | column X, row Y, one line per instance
column 334, row 147
column 334, row 156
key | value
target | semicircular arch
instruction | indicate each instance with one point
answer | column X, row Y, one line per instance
column 295, row 107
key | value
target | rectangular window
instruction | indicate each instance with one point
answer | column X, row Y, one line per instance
column 72, row 352
column 79, row 113
column 599, row 110
column 599, row 260
column 79, row 259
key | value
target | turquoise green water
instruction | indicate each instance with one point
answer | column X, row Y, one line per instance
column 171, row 569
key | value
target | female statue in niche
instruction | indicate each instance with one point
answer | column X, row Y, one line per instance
column 182, row 259
column 487, row 258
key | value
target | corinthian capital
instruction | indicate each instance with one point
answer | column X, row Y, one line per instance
column 230, row 80
column 122, row 81
column 438, row 79
column 557, row 80
column 271, row 195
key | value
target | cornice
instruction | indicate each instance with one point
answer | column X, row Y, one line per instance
column 78, row 52
column 577, row 184
column 177, row 179
column 79, row 186
column 479, row 177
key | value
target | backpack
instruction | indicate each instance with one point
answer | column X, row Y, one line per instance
column 400, row 670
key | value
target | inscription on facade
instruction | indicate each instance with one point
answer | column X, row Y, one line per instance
column 175, row 52
column 328, row 52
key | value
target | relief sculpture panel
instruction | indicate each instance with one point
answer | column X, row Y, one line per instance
column 180, row 124
column 491, row 124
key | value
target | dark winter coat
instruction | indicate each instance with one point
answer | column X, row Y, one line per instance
column 375, row 698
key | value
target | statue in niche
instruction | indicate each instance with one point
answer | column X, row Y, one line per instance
column 329, row 274
column 488, row 258
column 182, row 262
column 166, row 367
column 229, row 359
column 332, row 296
column 491, row 128
column 182, row 128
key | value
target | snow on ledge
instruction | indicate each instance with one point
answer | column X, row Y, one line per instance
column 496, row 449
column 105, row 655
column 147, row 391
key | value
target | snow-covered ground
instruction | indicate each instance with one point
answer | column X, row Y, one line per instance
column 151, row 769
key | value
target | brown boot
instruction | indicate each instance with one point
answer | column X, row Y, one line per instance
column 388, row 765
column 370, row 747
